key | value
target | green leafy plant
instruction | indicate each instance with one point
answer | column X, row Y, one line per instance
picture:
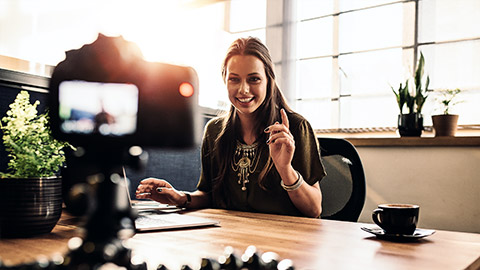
column 447, row 99
column 414, row 101
column 32, row 150
column 401, row 95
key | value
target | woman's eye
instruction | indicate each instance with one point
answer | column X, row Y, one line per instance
column 233, row 79
column 254, row 79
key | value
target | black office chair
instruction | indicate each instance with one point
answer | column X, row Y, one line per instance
column 180, row 167
column 343, row 189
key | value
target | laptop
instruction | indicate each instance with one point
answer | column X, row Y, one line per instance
column 145, row 205
column 154, row 216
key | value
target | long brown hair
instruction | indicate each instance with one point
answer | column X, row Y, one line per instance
column 266, row 114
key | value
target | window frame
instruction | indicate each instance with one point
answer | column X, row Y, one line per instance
column 412, row 50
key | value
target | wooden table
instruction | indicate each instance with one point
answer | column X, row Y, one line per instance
column 310, row 243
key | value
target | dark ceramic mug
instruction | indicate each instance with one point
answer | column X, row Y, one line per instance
column 397, row 218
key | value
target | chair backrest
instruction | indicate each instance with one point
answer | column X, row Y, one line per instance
column 180, row 167
column 343, row 189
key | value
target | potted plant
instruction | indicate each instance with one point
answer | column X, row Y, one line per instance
column 445, row 124
column 31, row 188
column 411, row 123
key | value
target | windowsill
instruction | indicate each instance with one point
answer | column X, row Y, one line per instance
column 469, row 137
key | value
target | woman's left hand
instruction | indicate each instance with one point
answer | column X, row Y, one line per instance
column 281, row 142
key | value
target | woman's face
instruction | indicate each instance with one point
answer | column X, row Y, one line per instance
column 246, row 83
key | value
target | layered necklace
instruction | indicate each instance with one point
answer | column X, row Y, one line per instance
column 245, row 162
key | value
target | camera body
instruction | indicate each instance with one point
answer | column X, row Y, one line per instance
column 151, row 104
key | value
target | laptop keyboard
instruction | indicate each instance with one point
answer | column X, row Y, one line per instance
column 146, row 221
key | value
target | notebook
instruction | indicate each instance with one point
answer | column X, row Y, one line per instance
column 157, row 216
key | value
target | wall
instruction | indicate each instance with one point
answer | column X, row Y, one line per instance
column 444, row 181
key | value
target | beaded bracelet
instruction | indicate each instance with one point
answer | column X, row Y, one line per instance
column 295, row 185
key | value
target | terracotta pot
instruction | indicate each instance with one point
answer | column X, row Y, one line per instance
column 29, row 206
column 445, row 124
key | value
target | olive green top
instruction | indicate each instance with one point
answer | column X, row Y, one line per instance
column 275, row 199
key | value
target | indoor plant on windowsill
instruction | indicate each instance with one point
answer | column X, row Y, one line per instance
column 411, row 123
column 31, row 189
column 445, row 124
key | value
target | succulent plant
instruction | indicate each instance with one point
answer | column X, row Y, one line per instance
column 413, row 101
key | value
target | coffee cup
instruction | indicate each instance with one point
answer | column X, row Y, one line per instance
column 397, row 218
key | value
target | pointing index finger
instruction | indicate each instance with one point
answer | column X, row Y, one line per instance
column 284, row 118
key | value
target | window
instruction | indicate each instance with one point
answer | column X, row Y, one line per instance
column 449, row 37
column 350, row 53
column 336, row 60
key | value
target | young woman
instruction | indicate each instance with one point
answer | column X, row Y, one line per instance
column 261, row 156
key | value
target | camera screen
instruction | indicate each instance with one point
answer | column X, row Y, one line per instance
column 107, row 109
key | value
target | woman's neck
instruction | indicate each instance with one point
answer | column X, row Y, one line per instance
column 247, row 126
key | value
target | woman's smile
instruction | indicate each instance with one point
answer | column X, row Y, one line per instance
column 245, row 99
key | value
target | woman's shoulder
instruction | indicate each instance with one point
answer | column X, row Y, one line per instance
column 215, row 123
column 213, row 127
column 296, row 120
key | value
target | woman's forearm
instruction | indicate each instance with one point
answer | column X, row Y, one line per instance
column 307, row 198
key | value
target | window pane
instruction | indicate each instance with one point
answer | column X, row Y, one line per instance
column 247, row 14
column 314, row 8
column 441, row 20
column 315, row 37
column 372, row 28
column 371, row 72
column 453, row 65
column 314, row 78
column 317, row 112
column 381, row 111
column 355, row 4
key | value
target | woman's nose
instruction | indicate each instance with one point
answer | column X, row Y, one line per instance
column 244, row 89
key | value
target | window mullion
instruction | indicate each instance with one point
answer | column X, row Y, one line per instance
column 336, row 91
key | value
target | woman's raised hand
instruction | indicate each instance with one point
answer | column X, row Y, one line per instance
column 281, row 142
